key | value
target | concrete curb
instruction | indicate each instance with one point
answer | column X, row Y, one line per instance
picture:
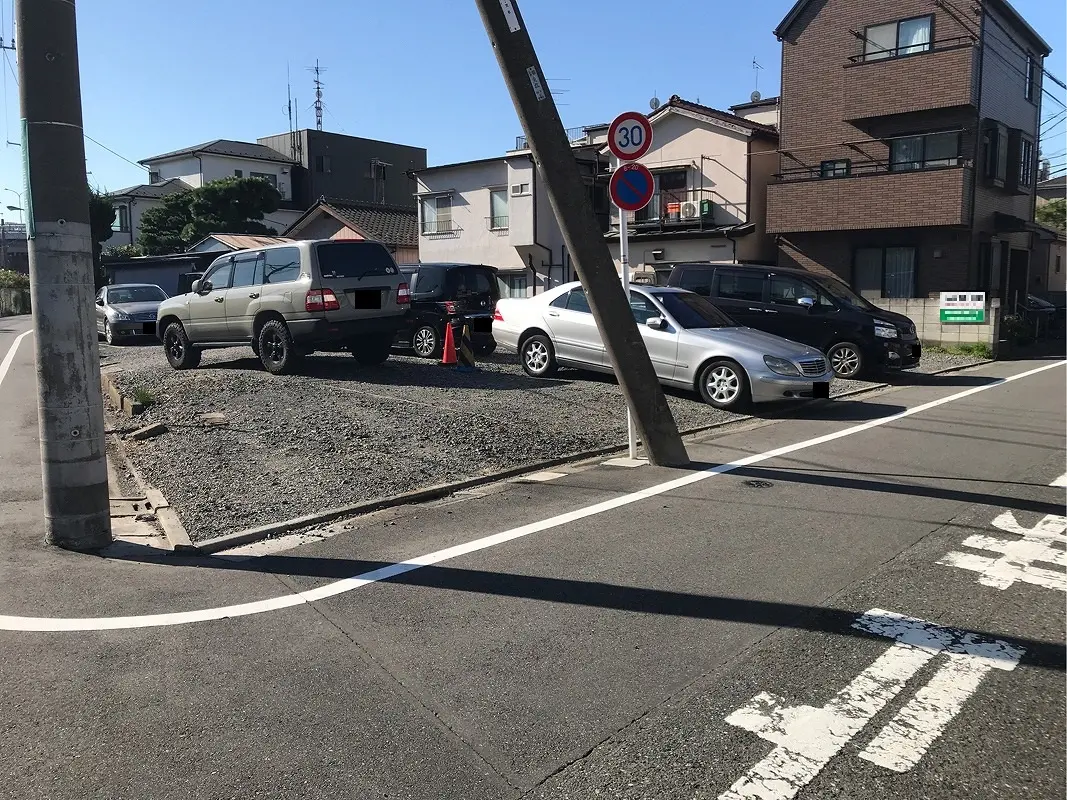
column 251, row 535
column 122, row 404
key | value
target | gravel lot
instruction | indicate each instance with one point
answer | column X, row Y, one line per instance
column 339, row 433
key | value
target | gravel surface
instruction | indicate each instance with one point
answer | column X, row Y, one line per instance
column 338, row 433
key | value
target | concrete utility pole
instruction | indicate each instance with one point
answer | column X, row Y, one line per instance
column 69, row 400
column 585, row 242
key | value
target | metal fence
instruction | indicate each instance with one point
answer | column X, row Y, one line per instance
column 14, row 301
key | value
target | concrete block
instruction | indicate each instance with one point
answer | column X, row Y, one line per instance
column 148, row 431
column 131, row 407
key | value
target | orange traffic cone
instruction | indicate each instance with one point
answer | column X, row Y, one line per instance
column 448, row 352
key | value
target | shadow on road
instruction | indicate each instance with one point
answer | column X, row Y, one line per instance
column 596, row 594
column 837, row 481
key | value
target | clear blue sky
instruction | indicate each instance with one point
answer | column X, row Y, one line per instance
column 159, row 75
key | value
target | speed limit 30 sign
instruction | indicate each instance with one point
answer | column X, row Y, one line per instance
column 630, row 136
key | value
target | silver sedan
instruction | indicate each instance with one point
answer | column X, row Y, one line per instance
column 692, row 344
column 127, row 309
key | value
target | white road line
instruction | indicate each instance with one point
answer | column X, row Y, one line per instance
column 5, row 365
column 18, row 623
column 806, row 738
column 1060, row 481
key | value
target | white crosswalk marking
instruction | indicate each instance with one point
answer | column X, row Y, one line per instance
column 1019, row 559
column 807, row 737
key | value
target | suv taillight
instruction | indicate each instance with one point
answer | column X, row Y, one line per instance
column 497, row 316
column 321, row 300
column 450, row 307
column 403, row 295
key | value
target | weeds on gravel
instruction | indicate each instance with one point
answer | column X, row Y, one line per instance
column 144, row 397
column 976, row 350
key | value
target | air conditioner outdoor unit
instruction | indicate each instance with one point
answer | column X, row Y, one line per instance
column 690, row 210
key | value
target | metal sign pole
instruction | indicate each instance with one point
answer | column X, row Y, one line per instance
column 624, row 257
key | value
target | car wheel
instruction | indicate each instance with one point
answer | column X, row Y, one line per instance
column 371, row 351
column 846, row 360
column 109, row 333
column 426, row 342
column 724, row 384
column 277, row 351
column 538, row 357
column 180, row 352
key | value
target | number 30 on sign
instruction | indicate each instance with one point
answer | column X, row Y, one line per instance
column 630, row 136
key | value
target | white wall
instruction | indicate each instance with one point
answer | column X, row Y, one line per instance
column 137, row 206
column 281, row 219
column 216, row 167
column 469, row 185
column 642, row 258
column 764, row 116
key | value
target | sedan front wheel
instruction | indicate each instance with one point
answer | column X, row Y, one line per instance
column 724, row 384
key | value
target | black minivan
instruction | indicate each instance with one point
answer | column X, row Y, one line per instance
column 857, row 336
column 446, row 291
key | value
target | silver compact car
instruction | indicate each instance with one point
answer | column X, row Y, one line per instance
column 692, row 344
column 127, row 309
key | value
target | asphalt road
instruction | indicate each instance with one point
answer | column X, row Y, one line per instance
column 612, row 632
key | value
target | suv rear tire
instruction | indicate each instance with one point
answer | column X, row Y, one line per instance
column 179, row 350
column 370, row 351
column 277, row 350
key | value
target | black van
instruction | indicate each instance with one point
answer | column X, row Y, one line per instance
column 857, row 336
column 443, row 291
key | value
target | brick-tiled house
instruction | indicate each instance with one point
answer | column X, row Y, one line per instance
column 909, row 145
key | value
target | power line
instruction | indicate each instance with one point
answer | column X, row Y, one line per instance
column 1048, row 74
column 119, row 155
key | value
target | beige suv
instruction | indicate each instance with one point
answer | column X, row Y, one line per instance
column 289, row 300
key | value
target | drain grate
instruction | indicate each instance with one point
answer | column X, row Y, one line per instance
column 759, row 484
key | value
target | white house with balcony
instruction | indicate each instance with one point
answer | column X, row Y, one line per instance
column 711, row 170
column 192, row 167
column 495, row 211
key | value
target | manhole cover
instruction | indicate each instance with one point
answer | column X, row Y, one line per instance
column 759, row 484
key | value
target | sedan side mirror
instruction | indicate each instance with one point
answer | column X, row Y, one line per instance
column 806, row 302
column 656, row 323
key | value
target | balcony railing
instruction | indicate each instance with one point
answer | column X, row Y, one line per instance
column 574, row 136
column 858, row 169
column 679, row 209
column 498, row 223
column 440, row 227
column 912, row 49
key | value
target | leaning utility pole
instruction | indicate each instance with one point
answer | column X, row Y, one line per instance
column 585, row 242
column 69, row 400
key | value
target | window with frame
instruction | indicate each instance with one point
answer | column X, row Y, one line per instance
column 238, row 173
column 265, row 176
column 840, row 168
column 928, row 151
column 642, row 308
column 697, row 281
column 246, row 270
column 1027, row 165
column 901, row 38
column 516, row 285
column 122, row 219
column 219, row 276
column 520, row 189
column 437, row 214
column 154, row 177
column 322, row 163
column 995, row 141
column 881, row 272
column 498, row 209
column 1059, row 259
column 1032, row 76
column 786, row 290
column 577, row 301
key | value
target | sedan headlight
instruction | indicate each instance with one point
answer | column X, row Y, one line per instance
column 883, row 331
column 122, row 317
column 780, row 366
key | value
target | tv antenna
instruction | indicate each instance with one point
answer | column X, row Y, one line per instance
column 319, row 86
column 756, row 67
column 654, row 103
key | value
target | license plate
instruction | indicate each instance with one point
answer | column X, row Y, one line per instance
column 149, row 329
column 821, row 390
column 365, row 298
column 916, row 351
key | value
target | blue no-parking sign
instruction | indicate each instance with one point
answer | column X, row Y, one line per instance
column 631, row 187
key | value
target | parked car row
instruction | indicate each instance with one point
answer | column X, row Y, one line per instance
column 733, row 333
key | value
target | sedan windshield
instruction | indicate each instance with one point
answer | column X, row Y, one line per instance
column 693, row 311
column 844, row 295
column 134, row 294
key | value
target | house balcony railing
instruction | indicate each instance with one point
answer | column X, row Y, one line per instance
column 677, row 210
column 497, row 224
column 870, row 198
column 904, row 80
column 439, row 227
column 856, row 169
column 574, row 136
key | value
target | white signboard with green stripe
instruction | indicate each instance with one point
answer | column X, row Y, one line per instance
column 962, row 307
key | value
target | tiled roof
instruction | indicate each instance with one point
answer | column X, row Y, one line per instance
column 153, row 191
column 226, row 147
column 242, row 241
column 392, row 225
column 708, row 111
column 1053, row 183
